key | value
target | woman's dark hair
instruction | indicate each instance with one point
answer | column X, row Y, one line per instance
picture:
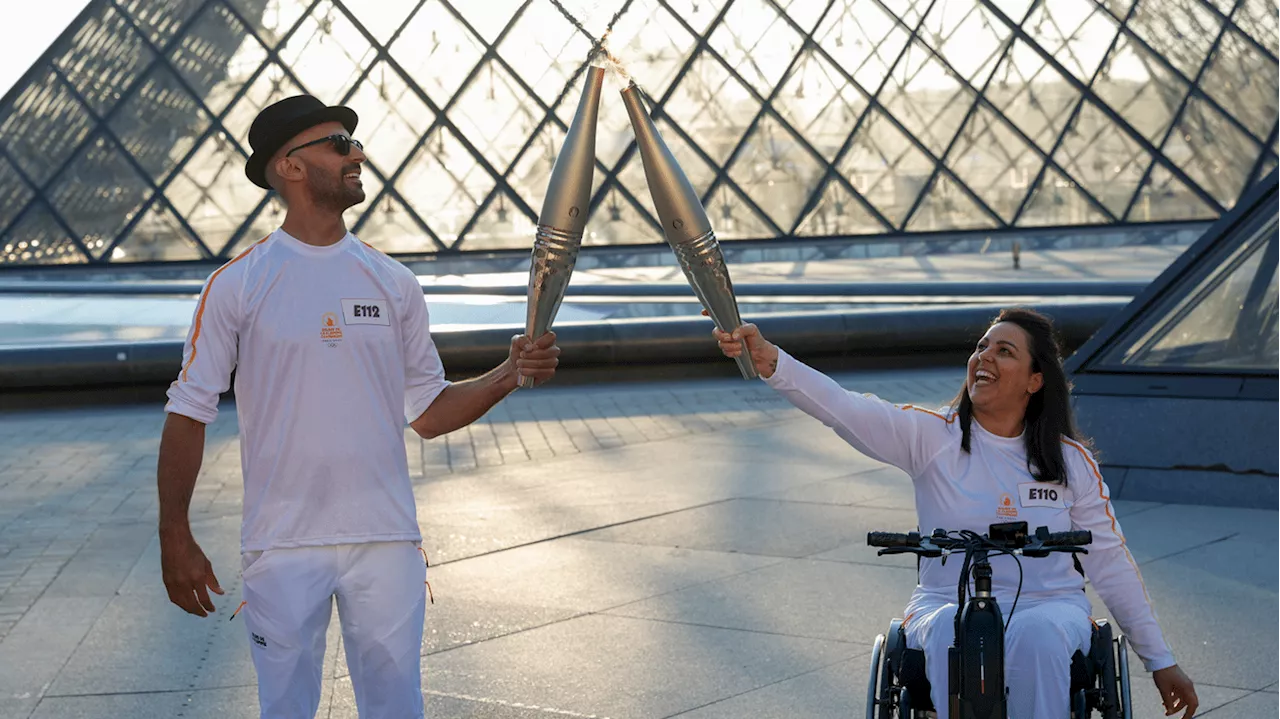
column 1049, row 417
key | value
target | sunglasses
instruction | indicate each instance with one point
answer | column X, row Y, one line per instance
column 341, row 143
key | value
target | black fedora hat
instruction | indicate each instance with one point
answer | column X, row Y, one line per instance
column 278, row 122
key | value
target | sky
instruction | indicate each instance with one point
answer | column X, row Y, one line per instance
column 36, row 25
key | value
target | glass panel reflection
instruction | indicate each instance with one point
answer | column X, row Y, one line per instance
column 1226, row 320
column 98, row 193
column 38, row 239
column 463, row 108
column 104, row 57
column 1213, row 152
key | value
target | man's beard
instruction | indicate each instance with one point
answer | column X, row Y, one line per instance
column 333, row 193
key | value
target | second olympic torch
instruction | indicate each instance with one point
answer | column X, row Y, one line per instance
column 686, row 226
column 564, row 215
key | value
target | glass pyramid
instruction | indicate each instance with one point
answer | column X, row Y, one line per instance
column 126, row 141
column 1213, row 312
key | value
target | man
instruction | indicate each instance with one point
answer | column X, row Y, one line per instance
column 331, row 346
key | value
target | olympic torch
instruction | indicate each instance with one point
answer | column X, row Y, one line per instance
column 564, row 215
column 686, row 226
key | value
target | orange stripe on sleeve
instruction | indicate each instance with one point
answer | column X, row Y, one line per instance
column 1106, row 504
column 948, row 420
column 200, row 309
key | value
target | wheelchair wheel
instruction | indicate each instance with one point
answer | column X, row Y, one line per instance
column 879, row 666
column 1079, row 706
column 1122, row 669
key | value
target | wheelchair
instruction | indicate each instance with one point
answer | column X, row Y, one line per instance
column 898, row 687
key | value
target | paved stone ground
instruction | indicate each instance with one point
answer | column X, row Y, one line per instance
column 690, row 549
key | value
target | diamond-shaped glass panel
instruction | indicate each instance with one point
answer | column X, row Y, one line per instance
column 803, row 13
column 271, row 86
column 651, row 43
column 1015, row 10
column 1260, row 19
column 1244, row 82
column 103, row 58
column 838, row 212
column 500, row 226
column 1143, row 91
column 634, row 181
column 389, row 227
column 38, row 239
column 271, row 19
column 697, row 13
column 383, row 18
column 969, row 36
column 863, row 40
column 437, row 51
column 616, row 221
column 217, row 56
column 1164, row 198
column 491, row 17
column 327, row 53
column 532, row 172
column 994, row 162
column 14, row 193
column 392, row 117
column 946, row 207
column 926, row 99
column 44, row 126
column 98, row 193
column 1181, row 31
column 158, row 236
column 160, row 20
column 444, row 184
column 732, row 217
column 1076, row 33
column 1102, row 158
column 159, row 123
column 495, row 115
column 1213, row 152
column 1032, row 94
column 211, row 192
column 547, row 50
column 776, row 171
column 908, row 10
column 1222, row 319
column 819, row 104
column 260, row 226
column 711, row 107
column 1058, row 201
column 885, row 167
column 741, row 40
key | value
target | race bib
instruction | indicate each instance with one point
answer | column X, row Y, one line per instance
column 1042, row 494
column 365, row 312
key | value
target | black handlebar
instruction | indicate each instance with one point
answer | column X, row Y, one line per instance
column 1068, row 539
column 1037, row 544
column 893, row 539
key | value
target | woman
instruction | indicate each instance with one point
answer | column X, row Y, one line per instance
column 1010, row 431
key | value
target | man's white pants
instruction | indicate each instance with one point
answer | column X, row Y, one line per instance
column 1037, row 654
column 289, row 595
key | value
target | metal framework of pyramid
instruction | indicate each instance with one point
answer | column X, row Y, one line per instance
column 126, row 141
column 1178, row 390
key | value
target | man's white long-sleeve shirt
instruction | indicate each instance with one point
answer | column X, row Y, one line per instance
column 332, row 352
column 990, row 484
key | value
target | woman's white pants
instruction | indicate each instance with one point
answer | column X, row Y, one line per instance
column 380, row 591
column 1037, row 654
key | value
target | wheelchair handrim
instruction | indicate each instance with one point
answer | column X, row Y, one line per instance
column 1123, row 672
column 873, row 688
